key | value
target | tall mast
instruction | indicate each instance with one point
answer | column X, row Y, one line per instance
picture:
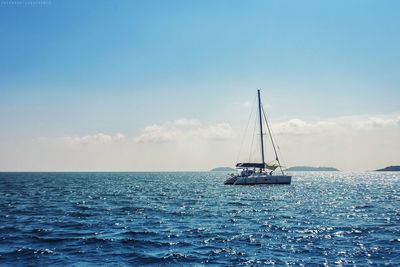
column 261, row 129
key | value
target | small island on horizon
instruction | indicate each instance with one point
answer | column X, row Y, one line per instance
column 389, row 169
column 312, row 169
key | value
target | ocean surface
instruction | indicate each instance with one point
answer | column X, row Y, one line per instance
column 192, row 219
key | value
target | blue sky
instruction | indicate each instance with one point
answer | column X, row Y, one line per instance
column 82, row 67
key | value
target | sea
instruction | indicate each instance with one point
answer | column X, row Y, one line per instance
column 193, row 219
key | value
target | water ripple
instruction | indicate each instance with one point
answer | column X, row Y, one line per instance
column 192, row 219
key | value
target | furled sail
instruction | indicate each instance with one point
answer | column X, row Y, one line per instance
column 271, row 167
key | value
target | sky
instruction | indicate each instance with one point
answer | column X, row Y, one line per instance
column 169, row 85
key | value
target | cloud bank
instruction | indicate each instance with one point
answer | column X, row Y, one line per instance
column 184, row 129
column 336, row 125
column 348, row 143
column 96, row 139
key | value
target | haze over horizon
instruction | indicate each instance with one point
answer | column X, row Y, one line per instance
column 169, row 85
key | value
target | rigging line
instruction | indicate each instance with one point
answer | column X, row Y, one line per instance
column 252, row 139
column 272, row 140
column 244, row 132
column 279, row 149
column 271, row 133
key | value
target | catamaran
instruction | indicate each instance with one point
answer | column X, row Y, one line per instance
column 256, row 173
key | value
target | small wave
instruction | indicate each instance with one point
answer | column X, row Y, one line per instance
column 150, row 243
column 51, row 240
column 96, row 241
column 139, row 210
column 141, row 233
column 237, row 204
column 40, row 230
column 196, row 230
column 8, row 229
column 26, row 252
column 359, row 207
column 160, row 259
column 137, row 258
column 79, row 214
column 228, row 251
column 178, row 256
column 76, row 225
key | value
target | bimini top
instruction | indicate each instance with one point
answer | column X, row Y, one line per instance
column 256, row 165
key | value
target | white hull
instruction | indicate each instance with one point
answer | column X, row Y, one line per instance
column 259, row 179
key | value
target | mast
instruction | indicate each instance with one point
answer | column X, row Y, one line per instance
column 261, row 129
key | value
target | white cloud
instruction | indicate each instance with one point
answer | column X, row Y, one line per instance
column 182, row 129
column 220, row 131
column 379, row 122
column 95, row 139
column 158, row 134
column 348, row 143
column 300, row 127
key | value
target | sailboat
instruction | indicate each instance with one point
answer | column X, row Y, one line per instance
column 257, row 173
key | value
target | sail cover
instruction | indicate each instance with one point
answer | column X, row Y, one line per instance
column 256, row 165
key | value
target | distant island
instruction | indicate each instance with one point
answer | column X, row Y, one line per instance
column 311, row 169
column 389, row 169
column 223, row 169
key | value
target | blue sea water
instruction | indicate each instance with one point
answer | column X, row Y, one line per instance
column 192, row 219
